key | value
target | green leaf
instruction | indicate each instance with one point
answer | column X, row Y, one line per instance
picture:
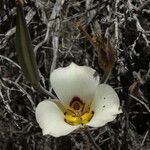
column 25, row 54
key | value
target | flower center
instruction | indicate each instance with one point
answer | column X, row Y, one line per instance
column 77, row 113
column 77, row 104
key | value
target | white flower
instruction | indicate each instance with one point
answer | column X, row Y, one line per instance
column 83, row 102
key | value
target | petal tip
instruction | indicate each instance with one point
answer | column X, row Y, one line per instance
column 120, row 111
column 73, row 64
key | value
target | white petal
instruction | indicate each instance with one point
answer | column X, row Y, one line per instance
column 106, row 106
column 51, row 119
column 73, row 81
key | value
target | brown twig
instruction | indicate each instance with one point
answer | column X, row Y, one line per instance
column 81, row 28
column 20, row 2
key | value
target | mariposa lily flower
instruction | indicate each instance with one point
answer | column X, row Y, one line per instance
column 83, row 101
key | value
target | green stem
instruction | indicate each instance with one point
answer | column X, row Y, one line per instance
column 25, row 53
column 44, row 91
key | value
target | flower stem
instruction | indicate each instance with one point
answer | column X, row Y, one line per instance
column 44, row 91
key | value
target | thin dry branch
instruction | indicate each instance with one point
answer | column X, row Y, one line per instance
column 55, row 13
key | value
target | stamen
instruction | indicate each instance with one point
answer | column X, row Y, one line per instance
column 87, row 117
column 74, row 120
column 71, row 119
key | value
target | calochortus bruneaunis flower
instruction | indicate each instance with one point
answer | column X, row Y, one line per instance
column 83, row 101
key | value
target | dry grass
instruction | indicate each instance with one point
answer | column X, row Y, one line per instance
column 57, row 41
